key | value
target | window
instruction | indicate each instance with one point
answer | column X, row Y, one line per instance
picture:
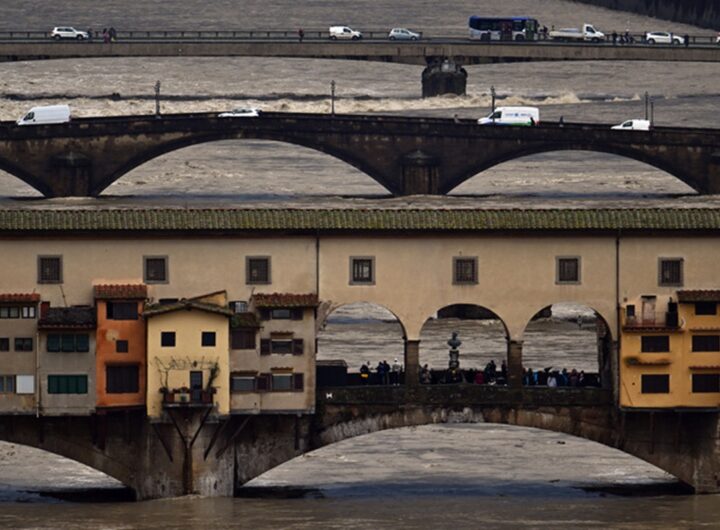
column 29, row 311
column 655, row 384
column 282, row 346
column 706, row 343
column 208, row 338
column 670, row 272
column 702, row 383
column 257, row 270
column 23, row 344
column 123, row 379
column 465, row 270
column 49, row 269
column 167, row 339
column 284, row 314
column 362, row 271
column 242, row 338
column 4, row 344
column 287, row 382
column 122, row 311
column 655, row 344
column 17, row 312
column 122, row 346
column 568, row 270
column 705, row 308
column 156, row 269
column 25, row 384
column 239, row 306
column 7, row 384
column 67, row 384
column 68, row 342
column 242, row 383
column 279, row 314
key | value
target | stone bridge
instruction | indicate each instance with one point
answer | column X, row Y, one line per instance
column 405, row 155
column 193, row 452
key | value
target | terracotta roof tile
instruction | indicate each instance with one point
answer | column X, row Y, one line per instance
column 159, row 309
column 19, row 297
column 709, row 295
column 137, row 291
column 284, row 300
column 68, row 318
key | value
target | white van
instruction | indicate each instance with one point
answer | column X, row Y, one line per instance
column 512, row 116
column 633, row 125
column 46, row 115
column 344, row 32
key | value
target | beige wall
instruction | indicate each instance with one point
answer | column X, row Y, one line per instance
column 14, row 363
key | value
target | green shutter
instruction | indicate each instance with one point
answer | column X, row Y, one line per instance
column 82, row 342
column 82, row 384
column 68, row 343
column 53, row 343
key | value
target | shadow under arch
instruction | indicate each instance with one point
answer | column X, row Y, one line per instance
column 478, row 327
column 523, row 151
column 567, row 335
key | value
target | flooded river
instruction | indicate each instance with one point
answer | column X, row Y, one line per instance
column 429, row 477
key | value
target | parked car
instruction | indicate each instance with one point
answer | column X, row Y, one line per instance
column 717, row 39
column 241, row 113
column 587, row 33
column 402, row 34
column 512, row 116
column 66, row 32
column 46, row 115
column 633, row 125
column 663, row 37
column 344, row 32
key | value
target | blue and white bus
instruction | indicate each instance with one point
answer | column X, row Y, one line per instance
column 503, row 28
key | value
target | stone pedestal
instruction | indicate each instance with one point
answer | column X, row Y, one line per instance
column 443, row 77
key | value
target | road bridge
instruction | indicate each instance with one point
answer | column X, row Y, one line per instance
column 443, row 58
column 405, row 155
column 215, row 458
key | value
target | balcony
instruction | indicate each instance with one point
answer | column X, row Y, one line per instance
column 185, row 397
column 658, row 321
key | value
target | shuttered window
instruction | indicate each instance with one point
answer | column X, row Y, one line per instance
column 706, row 343
column 122, row 379
column 67, row 384
column 122, row 311
column 242, row 338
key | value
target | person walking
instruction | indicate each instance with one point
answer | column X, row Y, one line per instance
column 365, row 374
column 301, row 34
column 425, row 375
column 113, row 34
column 396, row 369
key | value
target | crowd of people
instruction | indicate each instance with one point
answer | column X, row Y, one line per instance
column 384, row 373
column 107, row 35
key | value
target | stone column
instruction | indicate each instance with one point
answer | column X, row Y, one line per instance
column 514, row 363
column 419, row 174
column 412, row 362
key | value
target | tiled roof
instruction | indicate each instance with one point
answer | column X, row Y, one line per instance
column 710, row 295
column 137, row 291
column 377, row 219
column 284, row 300
column 159, row 309
column 68, row 318
column 19, row 297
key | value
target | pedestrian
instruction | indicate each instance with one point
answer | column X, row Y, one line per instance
column 396, row 369
column 105, row 36
column 529, row 377
column 479, row 378
column 425, row 375
column 574, row 378
column 113, row 34
column 614, row 38
column 90, row 34
column 365, row 374
column 301, row 34
column 551, row 380
column 580, row 321
column 581, row 378
column 381, row 372
column 503, row 371
column 686, row 40
column 561, row 122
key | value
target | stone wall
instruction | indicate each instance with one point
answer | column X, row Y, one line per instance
column 702, row 13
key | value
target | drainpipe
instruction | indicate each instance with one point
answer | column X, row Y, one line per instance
column 616, row 354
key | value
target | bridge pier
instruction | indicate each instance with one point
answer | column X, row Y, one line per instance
column 72, row 175
column 514, row 363
column 420, row 173
column 412, row 362
column 443, row 77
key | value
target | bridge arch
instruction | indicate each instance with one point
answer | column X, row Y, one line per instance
column 522, row 150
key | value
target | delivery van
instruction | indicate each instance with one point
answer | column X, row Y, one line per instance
column 512, row 116
column 46, row 115
column 633, row 125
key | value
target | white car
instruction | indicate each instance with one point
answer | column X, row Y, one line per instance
column 66, row 32
column 663, row 37
column 241, row 113
column 344, row 32
column 633, row 125
column 402, row 34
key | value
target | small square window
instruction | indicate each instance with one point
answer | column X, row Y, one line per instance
column 568, row 270
column 257, row 270
column 670, row 272
column 23, row 344
column 655, row 384
column 705, row 308
column 155, row 269
column 465, row 270
column 706, row 383
column 122, row 346
column 167, row 339
column 362, row 270
column 208, row 338
column 50, row 269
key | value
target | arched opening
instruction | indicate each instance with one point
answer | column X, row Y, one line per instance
column 567, row 344
column 462, row 462
column 28, row 474
column 356, row 335
column 482, row 354
column 568, row 174
column 250, row 169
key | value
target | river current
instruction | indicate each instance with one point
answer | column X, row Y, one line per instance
column 443, row 476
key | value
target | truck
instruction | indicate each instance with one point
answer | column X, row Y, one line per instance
column 46, row 115
column 344, row 32
column 587, row 34
column 523, row 116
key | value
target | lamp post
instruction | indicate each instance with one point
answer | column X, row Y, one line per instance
column 157, row 99
column 647, row 104
column 492, row 95
column 332, row 97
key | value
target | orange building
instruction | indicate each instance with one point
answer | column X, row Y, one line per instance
column 121, row 352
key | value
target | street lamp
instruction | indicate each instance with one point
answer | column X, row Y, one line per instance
column 157, row 99
column 332, row 97
column 492, row 95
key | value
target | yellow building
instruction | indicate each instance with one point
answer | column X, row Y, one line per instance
column 188, row 354
column 670, row 351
